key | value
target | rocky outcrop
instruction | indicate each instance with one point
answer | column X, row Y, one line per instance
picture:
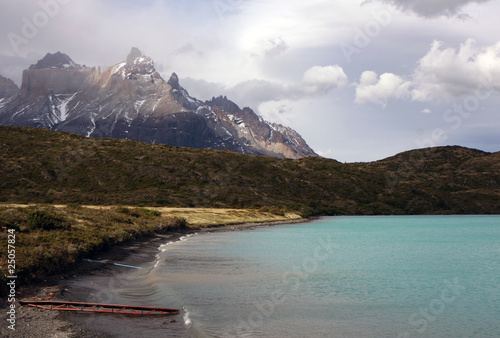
column 131, row 100
column 7, row 87
column 248, row 128
column 54, row 73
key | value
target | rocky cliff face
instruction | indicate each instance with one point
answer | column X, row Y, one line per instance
column 226, row 118
column 54, row 73
column 131, row 100
column 7, row 88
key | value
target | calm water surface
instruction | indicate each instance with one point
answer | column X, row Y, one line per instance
column 422, row 276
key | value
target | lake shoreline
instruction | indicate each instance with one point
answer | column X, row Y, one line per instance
column 76, row 284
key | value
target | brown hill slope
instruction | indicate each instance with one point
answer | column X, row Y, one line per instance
column 38, row 165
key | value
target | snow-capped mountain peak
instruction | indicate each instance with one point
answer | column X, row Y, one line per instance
column 131, row 100
column 55, row 61
column 136, row 65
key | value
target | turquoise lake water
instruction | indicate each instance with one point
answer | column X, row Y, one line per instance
column 394, row 276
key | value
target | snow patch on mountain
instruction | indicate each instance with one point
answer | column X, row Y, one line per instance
column 63, row 107
column 92, row 127
column 138, row 105
column 132, row 100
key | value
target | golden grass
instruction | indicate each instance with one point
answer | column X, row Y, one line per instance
column 203, row 217
column 207, row 217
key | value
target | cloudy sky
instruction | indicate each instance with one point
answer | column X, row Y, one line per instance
column 360, row 80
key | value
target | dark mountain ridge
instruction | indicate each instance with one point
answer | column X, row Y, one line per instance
column 38, row 165
column 131, row 100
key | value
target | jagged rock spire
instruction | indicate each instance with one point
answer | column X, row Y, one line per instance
column 174, row 81
column 134, row 54
column 7, row 87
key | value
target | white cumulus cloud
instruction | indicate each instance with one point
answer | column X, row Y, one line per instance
column 375, row 89
column 443, row 74
column 319, row 79
column 447, row 73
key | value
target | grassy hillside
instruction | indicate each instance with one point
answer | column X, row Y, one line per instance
column 42, row 166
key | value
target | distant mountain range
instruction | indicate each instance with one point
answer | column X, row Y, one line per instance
column 131, row 100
